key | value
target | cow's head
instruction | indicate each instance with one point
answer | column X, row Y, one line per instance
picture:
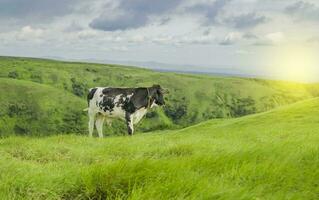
column 158, row 95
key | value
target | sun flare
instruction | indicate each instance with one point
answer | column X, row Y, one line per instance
column 295, row 62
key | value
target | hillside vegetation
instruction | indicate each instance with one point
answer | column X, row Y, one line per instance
column 27, row 107
column 192, row 98
column 272, row 155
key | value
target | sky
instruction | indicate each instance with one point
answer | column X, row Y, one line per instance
column 274, row 38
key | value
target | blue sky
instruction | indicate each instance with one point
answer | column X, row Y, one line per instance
column 277, row 38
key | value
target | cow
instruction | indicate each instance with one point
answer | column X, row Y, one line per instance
column 129, row 104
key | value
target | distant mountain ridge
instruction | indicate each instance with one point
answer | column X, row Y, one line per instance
column 219, row 70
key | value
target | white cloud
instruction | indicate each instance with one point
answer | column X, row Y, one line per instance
column 231, row 38
column 137, row 39
column 87, row 34
column 204, row 40
column 275, row 37
column 120, row 48
column 270, row 39
column 27, row 33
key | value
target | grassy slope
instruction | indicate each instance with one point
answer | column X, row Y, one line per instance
column 192, row 99
column 27, row 107
column 272, row 155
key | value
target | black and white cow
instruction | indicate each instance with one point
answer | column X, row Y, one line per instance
column 129, row 104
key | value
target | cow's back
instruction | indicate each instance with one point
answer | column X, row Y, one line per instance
column 110, row 101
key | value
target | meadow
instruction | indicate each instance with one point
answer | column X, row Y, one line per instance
column 272, row 155
column 218, row 137
column 42, row 97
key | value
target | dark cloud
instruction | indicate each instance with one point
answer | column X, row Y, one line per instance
column 263, row 44
column 250, row 36
column 135, row 14
column 149, row 7
column 303, row 11
column 247, row 20
column 35, row 10
column 165, row 20
column 210, row 10
column 121, row 22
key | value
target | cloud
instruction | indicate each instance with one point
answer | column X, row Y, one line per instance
column 275, row 37
column 271, row 39
column 230, row 39
column 163, row 40
column 137, row 39
column 73, row 27
column 119, row 48
column 247, row 20
column 132, row 14
column 213, row 12
column 35, row 10
column 165, row 20
column 202, row 40
column 126, row 21
column 250, row 36
column 86, row 34
column 27, row 32
column 210, row 10
column 303, row 11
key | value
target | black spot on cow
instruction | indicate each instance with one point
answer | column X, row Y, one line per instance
column 128, row 123
column 129, row 106
column 91, row 94
column 117, row 91
column 107, row 104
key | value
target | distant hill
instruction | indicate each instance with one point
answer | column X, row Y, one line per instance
column 30, row 108
column 192, row 98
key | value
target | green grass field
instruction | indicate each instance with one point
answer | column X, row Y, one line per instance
column 272, row 155
column 218, row 137
column 192, row 99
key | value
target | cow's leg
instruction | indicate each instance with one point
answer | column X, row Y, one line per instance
column 108, row 121
column 129, row 123
column 99, row 124
column 91, row 123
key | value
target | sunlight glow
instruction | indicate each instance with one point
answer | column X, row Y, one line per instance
column 295, row 62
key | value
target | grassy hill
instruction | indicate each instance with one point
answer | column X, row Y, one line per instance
column 272, row 155
column 30, row 108
column 192, row 98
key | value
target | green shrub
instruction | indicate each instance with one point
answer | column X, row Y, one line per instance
column 36, row 78
column 78, row 88
column 13, row 74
